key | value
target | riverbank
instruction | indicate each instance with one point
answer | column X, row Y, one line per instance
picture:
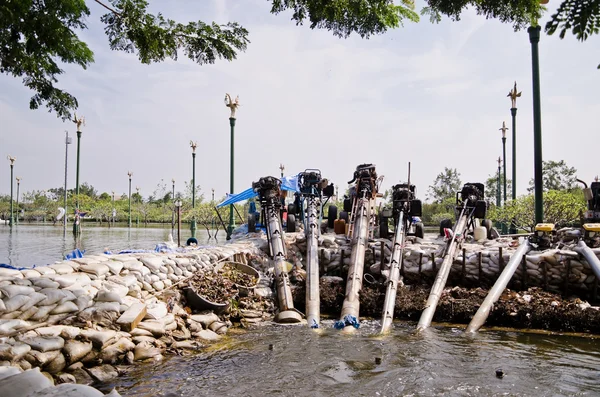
column 86, row 319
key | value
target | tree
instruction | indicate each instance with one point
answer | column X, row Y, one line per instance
column 491, row 187
column 36, row 36
column 560, row 207
column 557, row 175
column 445, row 185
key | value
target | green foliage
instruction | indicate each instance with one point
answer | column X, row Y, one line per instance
column 491, row 187
column 581, row 17
column 344, row 17
column 560, row 207
column 434, row 213
column 557, row 175
column 445, row 185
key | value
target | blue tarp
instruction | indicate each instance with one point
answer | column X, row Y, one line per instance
column 77, row 253
column 287, row 183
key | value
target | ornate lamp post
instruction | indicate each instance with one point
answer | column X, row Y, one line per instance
column 534, row 39
column 513, row 95
column 68, row 141
column 232, row 105
column 139, row 198
column 18, row 185
column 193, row 145
column 499, row 188
column 173, row 198
column 12, row 165
column 503, row 129
column 130, row 174
column 281, row 168
column 79, row 122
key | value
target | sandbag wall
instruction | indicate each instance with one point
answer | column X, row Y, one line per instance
column 477, row 264
column 73, row 315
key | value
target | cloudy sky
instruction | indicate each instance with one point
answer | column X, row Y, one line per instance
column 434, row 95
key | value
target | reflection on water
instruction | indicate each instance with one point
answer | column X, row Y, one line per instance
column 440, row 362
column 27, row 245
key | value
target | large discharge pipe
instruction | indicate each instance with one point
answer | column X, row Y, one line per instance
column 270, row 193
column 589, row 256
column 392, row 286
column 442, row 275
column 351, row 305
column 313, row 302
column 484, row 310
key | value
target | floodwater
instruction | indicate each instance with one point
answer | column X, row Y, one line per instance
column 439, row 362
column 26, row 245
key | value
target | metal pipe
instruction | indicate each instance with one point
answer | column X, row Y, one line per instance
column 499, row 286
column 313, row 302
column 287, row 313
column 351, row 305
column 589, row 256
column 442, row 275
column 392, row 284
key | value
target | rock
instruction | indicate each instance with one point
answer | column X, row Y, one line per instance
column 103, row 373
column 130, row 319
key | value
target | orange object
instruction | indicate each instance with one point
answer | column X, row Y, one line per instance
column 339, row 226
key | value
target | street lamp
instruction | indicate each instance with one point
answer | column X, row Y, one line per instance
column 193, row 145
column 68, row 141
column 12, row 165
column 281, row 167
column 499, row 189
column 173, row 214
column 114, row 211
column 513, row 95
column 139, row 199
column 534, row 39
column 79, row 122
column 213, row 194
column 18, row 185
column 130, row 174
column 232, row 105
column 178, row 207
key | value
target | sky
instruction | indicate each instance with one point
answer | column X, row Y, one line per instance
column 434, row 95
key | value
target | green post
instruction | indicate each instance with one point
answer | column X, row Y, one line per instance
column 499, row 186
column 534, row 39
column 130, row 174
column 231, row 188
column 513, row 95
column 504, row 228
column 12, row 164
column 193, row 223
column 18, row 186
column 76, row 225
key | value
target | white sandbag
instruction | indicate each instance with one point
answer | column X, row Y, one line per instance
column 75, row 350
column 115, row 267
column 29, row 273
column 66, row 307
column 45, row 270
column 144, row 351
column 97, row 269
column 44, row 282
column 99, row 338
column 45, row 343
column 14, row 290
column 111, row 353
column 39, row 359
column 34, row 299
column 83, row 302
column 43, row 312
column 14, row 303
column 108, row 306
column 5, row 371
column 27, row 314
column 152, row 262
column 121, row 290
column 52, row 296
column 140, row 332
column 156, row 328
column 156, row 310
column 10, row 273
column 108, row 296
column 57, row 365
column 13, row 352
column 133, row 265
column 158, row 285
column 61, row 268
column 24, row 384
column 2, row 306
